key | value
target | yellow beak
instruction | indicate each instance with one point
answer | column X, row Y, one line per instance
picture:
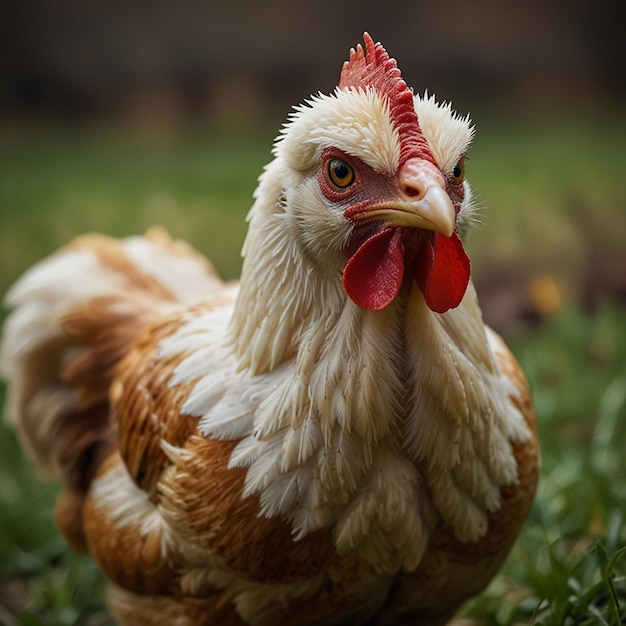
column 422, row 202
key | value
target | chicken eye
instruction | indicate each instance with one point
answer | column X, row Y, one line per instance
column 458, row 172
column 340, row 173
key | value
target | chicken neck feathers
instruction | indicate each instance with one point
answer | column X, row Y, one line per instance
column 270, row 452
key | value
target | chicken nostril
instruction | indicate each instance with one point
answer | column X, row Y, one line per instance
column 413, row 192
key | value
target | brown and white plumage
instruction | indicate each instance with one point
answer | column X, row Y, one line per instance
column 338, row 439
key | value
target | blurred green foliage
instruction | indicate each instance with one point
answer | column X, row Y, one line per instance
column 550, row 189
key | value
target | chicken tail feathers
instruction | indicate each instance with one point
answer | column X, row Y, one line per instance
column 76, row 315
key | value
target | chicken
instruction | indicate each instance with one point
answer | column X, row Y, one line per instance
column 336, row 439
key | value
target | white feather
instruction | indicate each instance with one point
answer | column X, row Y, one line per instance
column 448, row 134
column 345, row 416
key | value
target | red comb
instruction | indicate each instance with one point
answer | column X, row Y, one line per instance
column 374, row 68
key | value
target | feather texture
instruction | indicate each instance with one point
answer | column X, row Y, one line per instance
column 269, row 452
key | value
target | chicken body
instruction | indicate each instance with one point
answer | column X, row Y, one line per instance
column 338, row 439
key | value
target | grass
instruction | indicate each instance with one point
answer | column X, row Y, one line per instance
column 552, row 193
column 56, row 184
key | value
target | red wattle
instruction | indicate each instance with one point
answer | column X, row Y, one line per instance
column 373, row 275
column 442, row 272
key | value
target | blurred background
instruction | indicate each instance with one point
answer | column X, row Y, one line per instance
column 114, row 115
column 94, row 92
column 185, row 60
column 118, row 115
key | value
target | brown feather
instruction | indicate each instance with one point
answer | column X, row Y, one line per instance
column 206, row 496
column 146, row 409
column 68, row 516
column 161, row 610
column 130, row 558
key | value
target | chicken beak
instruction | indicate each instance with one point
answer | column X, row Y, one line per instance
column 433, row 211
column 422, row 201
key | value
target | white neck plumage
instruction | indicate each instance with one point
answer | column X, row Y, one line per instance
column 399, row 394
